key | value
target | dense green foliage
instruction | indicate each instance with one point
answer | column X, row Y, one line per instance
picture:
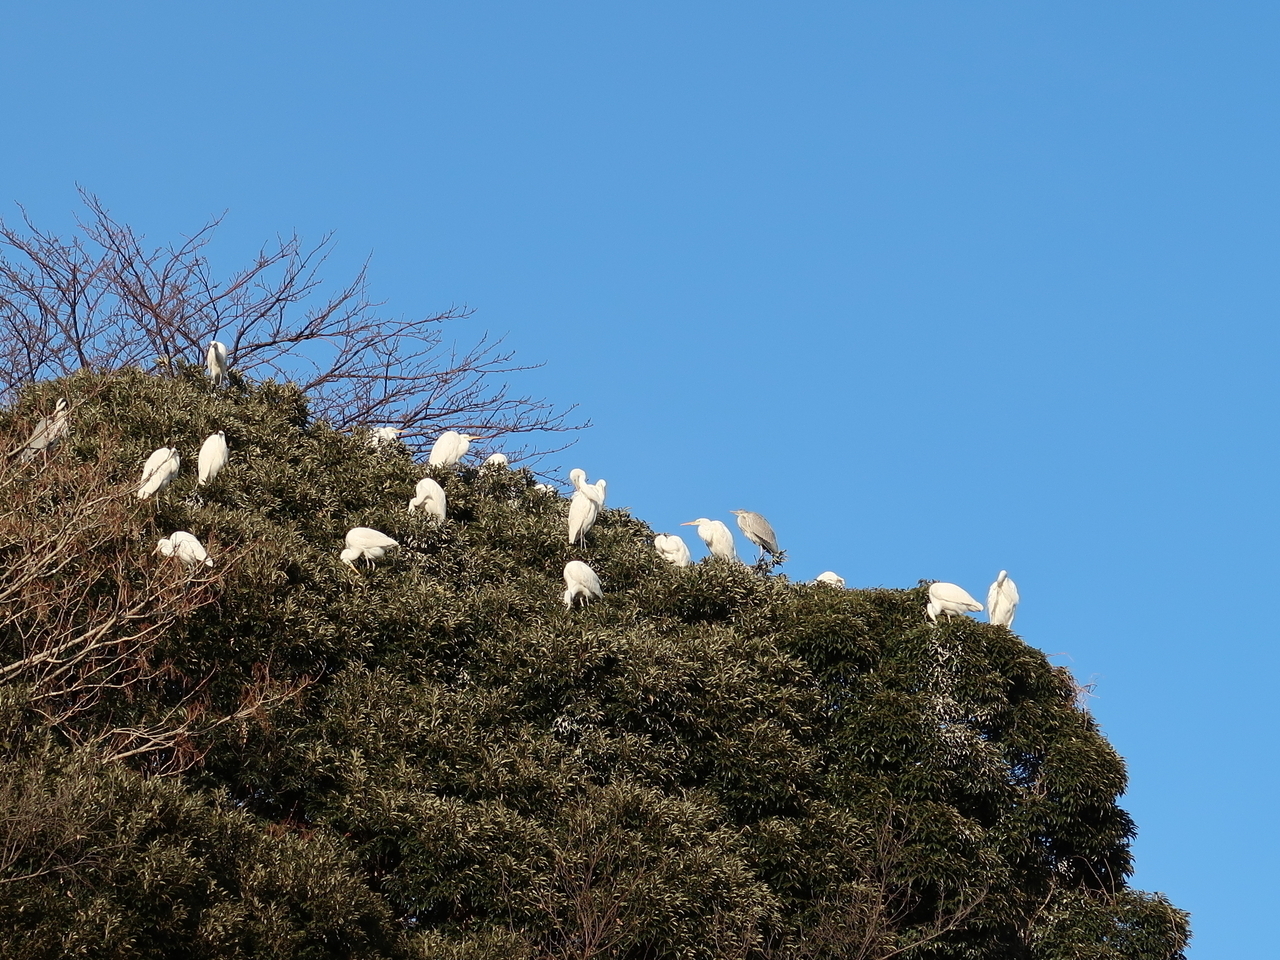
column 434, row 758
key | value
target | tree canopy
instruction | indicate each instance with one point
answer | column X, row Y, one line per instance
column 281, row 756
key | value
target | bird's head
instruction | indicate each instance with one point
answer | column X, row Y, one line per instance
column 695, row 523
column 349, row 556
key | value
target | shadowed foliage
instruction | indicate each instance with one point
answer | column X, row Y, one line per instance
column 433, row 758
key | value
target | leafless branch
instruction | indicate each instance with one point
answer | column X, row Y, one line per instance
column 104, row 299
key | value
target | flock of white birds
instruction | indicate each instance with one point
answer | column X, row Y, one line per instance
column 582, row 584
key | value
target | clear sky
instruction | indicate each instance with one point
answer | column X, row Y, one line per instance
column 940, row 288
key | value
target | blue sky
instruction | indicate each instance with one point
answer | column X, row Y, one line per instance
column 940, row 288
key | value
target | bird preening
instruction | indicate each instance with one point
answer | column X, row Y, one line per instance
column 584, row 505
column 948, row 599
column 581, row 584
column 1002, row 600
column 365, row 543
column 429, row 497
column 186, row 547
column 672, row 549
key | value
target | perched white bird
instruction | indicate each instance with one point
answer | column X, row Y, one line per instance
column 48, row 431
column 366, row 543
column 950, row 599
column 716, row 536
column 672, row 549
column 757, row 530
column 544, row 488
column 213, row 457
column 215, row 362
column 380, row 435
column 185, row 547
column 580, row 582
column 496, row 460
column 578, row 477
column 449, row 448
column 830, row 577
column 160, row 468
column 428, row 495
column 1002, row 600
column 583, row 511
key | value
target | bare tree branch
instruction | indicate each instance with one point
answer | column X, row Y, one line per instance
column 104, row 299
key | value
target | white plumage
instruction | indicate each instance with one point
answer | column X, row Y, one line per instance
column 496, row 460
column 583, row 511
column 581, row 583
column 950, row 599
column 672, row 549
column 584, row 505
column 213, row 457
column 716, row 536
column 830, row 577
column 449, row 448
column 215, row 362
column 48, row 431
column 1002, row 600
column 185, row 547
column 160, row 468
column 366, row 543
column 428, row 495
column 382, row 435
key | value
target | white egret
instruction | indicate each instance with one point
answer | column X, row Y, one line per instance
column 496, row 460
column 672, row 549
column 48, row 431
column 428, row 495
column 380, row 435
column 757, row 530
column 160, row 468
column 213, row 457
column 544, row 488
column 596, row 491
column 716, row 536
column 950, row 599
column 1002, row 600
column 366, row 543
column 583, row 511
column 215, row 362
column 581, row 583
column 449, row 448
column 830, row 577
column 185, row 547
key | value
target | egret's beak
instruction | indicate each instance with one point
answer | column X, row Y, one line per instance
column 689, row 523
